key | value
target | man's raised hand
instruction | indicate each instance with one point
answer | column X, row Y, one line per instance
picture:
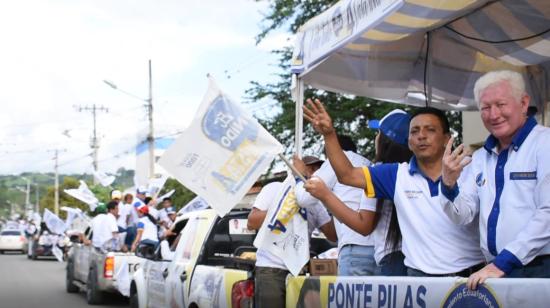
column 315, row 113
column 453, row 163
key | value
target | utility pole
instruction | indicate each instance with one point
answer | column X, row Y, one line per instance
column 151, row 136
column 94, row 144
column 56, row 191
column 37, row 205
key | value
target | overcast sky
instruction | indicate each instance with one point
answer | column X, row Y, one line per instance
column 55, row 55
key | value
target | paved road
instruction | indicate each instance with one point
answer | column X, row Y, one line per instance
column 36, row 284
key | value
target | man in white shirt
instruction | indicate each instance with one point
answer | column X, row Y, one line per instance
column 163, row 213
column 432, row 244
column 271, row 272
column 356, row 252
column 507, row 183
column 105, row 228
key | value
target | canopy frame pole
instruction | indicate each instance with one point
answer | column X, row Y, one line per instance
column 299, row 120
column 428, row 66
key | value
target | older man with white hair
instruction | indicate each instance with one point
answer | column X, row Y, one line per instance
column 507, row 183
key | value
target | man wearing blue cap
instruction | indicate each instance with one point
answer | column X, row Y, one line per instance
column 432, row 244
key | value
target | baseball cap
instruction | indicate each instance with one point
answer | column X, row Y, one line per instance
column 311, row 160
column 101, row 208
column 141, row 190
column 395, row 125
column 141, row 207
column 116, row 194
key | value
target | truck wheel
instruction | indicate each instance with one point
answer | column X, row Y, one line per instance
column 134, row 300
column 69, row 278
column 94, row 296
column 1, row 252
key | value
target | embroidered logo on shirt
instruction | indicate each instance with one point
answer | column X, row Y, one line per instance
column 480, row 181
column 523, row 175
column 413, row 194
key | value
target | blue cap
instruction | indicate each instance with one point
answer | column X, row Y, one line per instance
column 395, row 125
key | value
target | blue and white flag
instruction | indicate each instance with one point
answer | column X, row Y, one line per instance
column 222, row 153
column 284, row 231
column 54, row 223
column 196, row 204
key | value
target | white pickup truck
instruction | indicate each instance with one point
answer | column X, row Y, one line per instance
column 208, row 264
column 93, row 270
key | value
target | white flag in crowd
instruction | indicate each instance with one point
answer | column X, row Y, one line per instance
column 103, row 178
column 54, row 223
column 284, row 231
column 122, row 278
column 167, row 195
column 156, row 184
column 58, row 254
column 196, row 204
column 72, row 214
column 222, row 153
column 84, row 194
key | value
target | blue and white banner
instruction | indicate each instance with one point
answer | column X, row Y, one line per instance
column 444, row 292
column 222, row 153
column 284, row 231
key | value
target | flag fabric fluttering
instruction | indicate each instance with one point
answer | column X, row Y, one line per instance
column 222, row 153
column 84, row 194
column 103, row 178
column 53, row 222
column 284, row 231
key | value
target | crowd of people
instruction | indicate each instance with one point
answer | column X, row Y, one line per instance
column 422, row 208
column 124, row 222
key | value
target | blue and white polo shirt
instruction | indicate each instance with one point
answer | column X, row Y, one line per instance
column 511, row 192
column 431, row 242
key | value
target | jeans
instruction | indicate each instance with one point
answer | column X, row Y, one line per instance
column 130, row 235
column 538, row 268
column 356, row 260
column 392, row 265
column 270, row 287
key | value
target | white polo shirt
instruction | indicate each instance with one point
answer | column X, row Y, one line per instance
column 431, row 242
column 350, row 196
column 511, row 192
column 149, row 229
column 103, row 226
column 317, row 216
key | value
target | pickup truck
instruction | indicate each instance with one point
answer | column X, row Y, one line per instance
column 206, row 264
column 93, row 270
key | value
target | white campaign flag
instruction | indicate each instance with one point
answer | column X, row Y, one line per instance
column 284, row 231
column 222, row 153
column 54, row 223
column 167, row 195
column 122, row 278
column 58, row 254
column 156, row 184
column 104, row 178
column 84, row 194
column 72, row 213
column 196, row 204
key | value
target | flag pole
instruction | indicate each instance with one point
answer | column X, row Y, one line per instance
column 294, row 170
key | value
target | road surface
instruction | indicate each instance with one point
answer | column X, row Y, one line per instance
column 35, row 284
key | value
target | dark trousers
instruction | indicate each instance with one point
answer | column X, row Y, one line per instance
column 463, row 273
column 538, row 268
column 269, row 287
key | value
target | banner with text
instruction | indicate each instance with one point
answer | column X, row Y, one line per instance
column 447, row 292
column 222, row 153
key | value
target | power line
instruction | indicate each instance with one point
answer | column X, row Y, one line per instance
column 94, row 142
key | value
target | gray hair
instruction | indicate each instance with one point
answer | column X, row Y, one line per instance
column 515, row 80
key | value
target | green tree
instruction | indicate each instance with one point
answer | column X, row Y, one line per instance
column 350, row 113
